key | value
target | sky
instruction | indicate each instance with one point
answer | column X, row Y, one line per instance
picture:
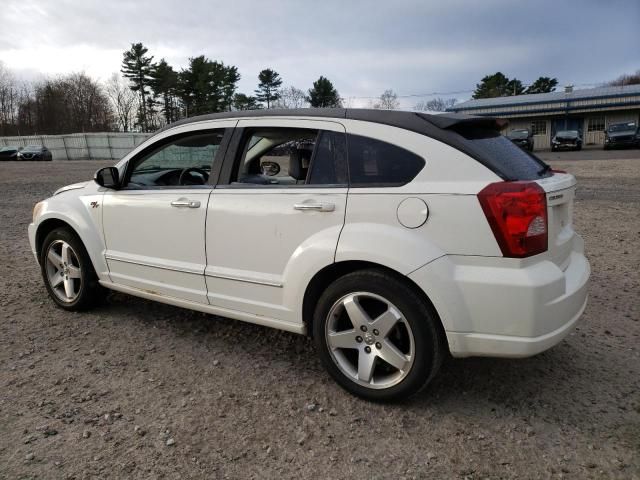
column 414, row 47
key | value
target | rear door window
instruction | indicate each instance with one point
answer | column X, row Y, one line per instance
column 376, row 163
column 290, row 157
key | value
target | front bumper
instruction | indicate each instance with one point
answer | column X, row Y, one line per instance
column 31, row 231
column 498, row 308
column 565, row 146
column 622, row 143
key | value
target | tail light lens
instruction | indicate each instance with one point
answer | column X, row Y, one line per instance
column 517, row 214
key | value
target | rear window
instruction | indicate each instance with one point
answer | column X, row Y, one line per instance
column 502, row 156
column 376, row 163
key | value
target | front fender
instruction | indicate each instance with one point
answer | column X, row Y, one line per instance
column 82, row 210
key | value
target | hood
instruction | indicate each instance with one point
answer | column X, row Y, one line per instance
column 624, row 133
column 73, row 186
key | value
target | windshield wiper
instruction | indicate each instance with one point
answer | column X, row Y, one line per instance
column 544, row 169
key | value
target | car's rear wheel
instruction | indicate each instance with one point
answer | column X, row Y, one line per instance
column 67, row 271
column 376, row 336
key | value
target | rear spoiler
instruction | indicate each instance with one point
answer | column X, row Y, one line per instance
column 459, row 121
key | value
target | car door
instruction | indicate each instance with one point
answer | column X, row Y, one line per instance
column 275, row 216
column 154, row 225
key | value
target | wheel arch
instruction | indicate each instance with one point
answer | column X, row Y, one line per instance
column 46, row 227
column 49, row 224
column 323, row 278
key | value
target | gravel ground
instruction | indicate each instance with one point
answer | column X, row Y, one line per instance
column 136, row 389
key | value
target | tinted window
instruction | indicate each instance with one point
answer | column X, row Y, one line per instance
column 329, row 166
column 373, row 162
column 502, row 156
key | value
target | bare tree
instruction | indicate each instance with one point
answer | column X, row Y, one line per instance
column 438, row 104
column 124, row 101
column 9, row 101
column 626, row 79
column 387, row 101
column 291, row 97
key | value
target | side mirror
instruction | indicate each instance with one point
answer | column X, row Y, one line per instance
column 107, row 177
column 270, row 168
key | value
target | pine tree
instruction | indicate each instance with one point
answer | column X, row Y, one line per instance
column 323, row 94
column 498, row 85
column 137, row 66
column 164, row 83
column 207, row 86
column 245, row 102
column 267, row 90
column 542, row 85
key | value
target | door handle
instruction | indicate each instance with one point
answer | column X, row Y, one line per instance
column 318, row 207
column 185, row 204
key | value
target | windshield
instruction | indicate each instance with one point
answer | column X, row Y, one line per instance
column 518, row 134
column 8, row 149
column 567, row 133
column 32, row 148
column 622, row 127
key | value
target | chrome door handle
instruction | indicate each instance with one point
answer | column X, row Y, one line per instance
column 319, row 207
column 185, row 204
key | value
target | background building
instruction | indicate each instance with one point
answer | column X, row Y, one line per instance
column 589, row 111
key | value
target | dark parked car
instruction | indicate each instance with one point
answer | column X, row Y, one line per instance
column 622, row 135
column 566, row 140
column 523, row 138
column 35, row 152
column 9, row 153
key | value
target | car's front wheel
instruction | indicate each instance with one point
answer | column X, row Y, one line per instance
column 67, row 271
column 376, row 336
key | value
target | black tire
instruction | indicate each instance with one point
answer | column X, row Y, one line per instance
column 429, row 344
column 89, row 291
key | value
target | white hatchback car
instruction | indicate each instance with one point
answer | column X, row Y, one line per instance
column 393, row 238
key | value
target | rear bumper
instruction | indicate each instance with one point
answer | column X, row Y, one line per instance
column 500, row 308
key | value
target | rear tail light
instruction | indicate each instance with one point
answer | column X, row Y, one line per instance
column 517, row 214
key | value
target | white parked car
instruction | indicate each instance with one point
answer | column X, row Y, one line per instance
column 393, row 238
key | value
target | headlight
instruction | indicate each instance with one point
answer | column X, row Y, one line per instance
column 36, row 210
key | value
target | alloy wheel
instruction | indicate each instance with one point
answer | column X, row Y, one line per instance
column 370, row 340
column 63, row 271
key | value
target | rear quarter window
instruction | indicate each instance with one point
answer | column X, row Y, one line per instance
column 502, row 156
column 373, row 162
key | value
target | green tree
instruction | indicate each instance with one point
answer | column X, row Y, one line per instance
column 207, row 86
column 497, row 85
column 267, row 91
column 137, row 67
column 542, row 85
column 164, row 83
column 323, row 94
column 229, row 86
column 245, row 102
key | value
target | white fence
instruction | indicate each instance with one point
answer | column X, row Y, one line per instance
column 82, row 146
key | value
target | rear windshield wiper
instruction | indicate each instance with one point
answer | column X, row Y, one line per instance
column 544, row 169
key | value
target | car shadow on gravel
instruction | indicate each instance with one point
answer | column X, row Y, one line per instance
column 539, row 382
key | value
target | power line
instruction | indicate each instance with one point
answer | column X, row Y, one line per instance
column 457, row 92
